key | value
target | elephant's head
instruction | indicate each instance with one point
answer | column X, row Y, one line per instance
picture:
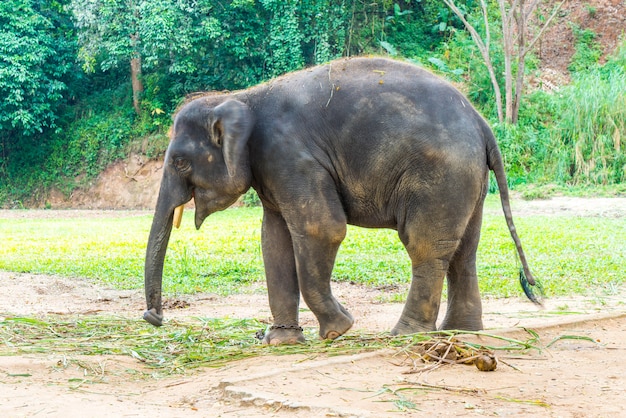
column 207, row 160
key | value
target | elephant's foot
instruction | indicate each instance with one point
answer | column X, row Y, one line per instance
column 284, row 335
column 337, row 326
column 404, row 327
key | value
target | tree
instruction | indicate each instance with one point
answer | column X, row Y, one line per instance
column 168, row 36
column 34, row 58
column 517, row 42
column 286, row 39
column 109, row 29
column 484, row 46
column 515, row 26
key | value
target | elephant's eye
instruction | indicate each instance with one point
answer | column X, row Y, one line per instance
column 181, row 164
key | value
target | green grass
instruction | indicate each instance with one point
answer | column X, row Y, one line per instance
column 222, row 257
column 569, row 255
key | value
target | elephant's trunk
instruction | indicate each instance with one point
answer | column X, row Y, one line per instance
column 155, row 257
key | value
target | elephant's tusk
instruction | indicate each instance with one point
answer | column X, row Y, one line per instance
column 178, row 215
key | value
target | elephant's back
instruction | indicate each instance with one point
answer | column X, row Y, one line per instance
column 351, row 79
column 368, row 108
column 372, row 92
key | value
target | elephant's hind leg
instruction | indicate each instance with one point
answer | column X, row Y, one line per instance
column 430, row 263
column 464, row 306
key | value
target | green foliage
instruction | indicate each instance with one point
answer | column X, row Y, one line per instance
column 525, row 146
column 234, row 56
column 588, row 50
column 34, row 60
column 404, row 28
column 574, row 136
column 94, row 143
column 591, row 10
column 285, row 41
column 72, row 157
column 412, row 29
column 107, row 30
column 251, row 199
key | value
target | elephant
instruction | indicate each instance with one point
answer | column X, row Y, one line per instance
column 368, row 141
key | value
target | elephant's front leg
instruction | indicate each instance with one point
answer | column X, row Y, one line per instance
column 282, row 281
column 316, row 243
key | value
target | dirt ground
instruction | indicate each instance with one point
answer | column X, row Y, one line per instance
column 572, row 378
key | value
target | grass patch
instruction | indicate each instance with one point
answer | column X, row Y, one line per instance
column 223, row 257
column 569, row 255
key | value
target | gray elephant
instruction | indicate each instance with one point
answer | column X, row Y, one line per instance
column 365, row 141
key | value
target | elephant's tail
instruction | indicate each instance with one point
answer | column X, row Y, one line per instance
column 495, row 163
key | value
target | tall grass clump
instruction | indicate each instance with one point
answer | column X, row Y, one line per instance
column 589, row 145
column 574, row 137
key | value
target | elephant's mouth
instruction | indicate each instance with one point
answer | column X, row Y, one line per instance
column 206, row 203
column 210, row 201
column 204, row 207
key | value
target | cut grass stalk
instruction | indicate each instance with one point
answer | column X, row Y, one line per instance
column 205, row 342
column 571, row 337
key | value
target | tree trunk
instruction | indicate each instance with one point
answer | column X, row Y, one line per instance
column 135, row 76
column 519, row 89
column 483, row 47
column 507, row 47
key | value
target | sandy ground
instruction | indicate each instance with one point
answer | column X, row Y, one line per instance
column 572, row 378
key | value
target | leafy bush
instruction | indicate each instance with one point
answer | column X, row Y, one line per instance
column 251, row 199
column 574, row 136
column 414, row 31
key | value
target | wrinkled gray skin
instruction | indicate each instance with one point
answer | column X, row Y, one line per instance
column 368, row 142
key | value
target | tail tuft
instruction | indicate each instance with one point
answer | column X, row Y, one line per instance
column 528, row 288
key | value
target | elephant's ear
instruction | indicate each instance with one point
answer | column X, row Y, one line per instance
column 231, row 125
